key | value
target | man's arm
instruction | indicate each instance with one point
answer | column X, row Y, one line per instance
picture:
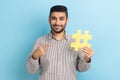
column 84, row 59
column 32, row 63
column 81, row 64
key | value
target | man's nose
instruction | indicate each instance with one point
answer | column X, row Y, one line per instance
column 57, row 21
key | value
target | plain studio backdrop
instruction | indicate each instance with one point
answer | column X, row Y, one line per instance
column 24, row 21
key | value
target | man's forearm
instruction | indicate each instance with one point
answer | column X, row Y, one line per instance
column 32, row 65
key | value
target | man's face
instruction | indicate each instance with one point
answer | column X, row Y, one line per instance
column 58, row 21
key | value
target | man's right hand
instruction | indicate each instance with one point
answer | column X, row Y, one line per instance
column 40, row 51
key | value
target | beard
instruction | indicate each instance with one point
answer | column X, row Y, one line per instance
column 58, row 30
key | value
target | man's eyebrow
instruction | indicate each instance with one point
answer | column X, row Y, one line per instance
column 62, row 17
column 52, row 16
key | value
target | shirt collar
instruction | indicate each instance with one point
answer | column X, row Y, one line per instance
column 50, row 36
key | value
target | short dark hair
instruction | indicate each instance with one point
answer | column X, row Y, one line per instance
column 59, row 8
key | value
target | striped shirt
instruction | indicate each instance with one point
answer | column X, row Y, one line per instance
column 60, row 61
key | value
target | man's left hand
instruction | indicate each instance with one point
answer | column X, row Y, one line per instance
column 88, row 53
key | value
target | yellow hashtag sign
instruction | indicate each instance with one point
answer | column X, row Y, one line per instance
column 81, row 40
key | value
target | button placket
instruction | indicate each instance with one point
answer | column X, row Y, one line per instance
column 59, row 56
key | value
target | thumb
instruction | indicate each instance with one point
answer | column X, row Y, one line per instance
column 45, row 46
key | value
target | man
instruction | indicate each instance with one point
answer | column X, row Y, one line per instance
column 52, row 54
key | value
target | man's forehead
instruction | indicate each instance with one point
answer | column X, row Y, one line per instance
column 62, row 14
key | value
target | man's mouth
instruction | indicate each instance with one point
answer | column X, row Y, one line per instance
column 57, row 26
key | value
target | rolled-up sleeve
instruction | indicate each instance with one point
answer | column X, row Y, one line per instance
column 32, row 64
column 82, row 65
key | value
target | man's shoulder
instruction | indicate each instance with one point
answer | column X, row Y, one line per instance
column 43, row 38
column 47, row 36
column 69, row 36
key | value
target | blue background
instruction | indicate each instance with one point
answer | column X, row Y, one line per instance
column 23, row 21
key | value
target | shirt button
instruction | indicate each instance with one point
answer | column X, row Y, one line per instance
column 60, row 74
column 59, row 63
column 59, row 51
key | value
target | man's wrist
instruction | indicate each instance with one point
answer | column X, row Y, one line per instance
column 88, row 60
column 33, row 57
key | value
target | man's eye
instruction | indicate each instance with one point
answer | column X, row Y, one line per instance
column 53, row 18
column 62, row 18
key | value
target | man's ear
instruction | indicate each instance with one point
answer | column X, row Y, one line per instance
column 49, row 19
column 67, row 20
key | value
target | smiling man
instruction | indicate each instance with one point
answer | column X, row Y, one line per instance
column 52, row 54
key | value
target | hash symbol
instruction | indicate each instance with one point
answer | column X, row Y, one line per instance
column 81, row 40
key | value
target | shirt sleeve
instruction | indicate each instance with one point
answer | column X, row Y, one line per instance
column 32, row 64
column 81, row 65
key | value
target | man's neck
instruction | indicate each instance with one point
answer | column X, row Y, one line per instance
column 58, row 36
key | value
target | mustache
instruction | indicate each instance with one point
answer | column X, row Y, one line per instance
column 57, row 25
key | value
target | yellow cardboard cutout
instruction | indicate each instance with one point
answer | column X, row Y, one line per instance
column 81, row 40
